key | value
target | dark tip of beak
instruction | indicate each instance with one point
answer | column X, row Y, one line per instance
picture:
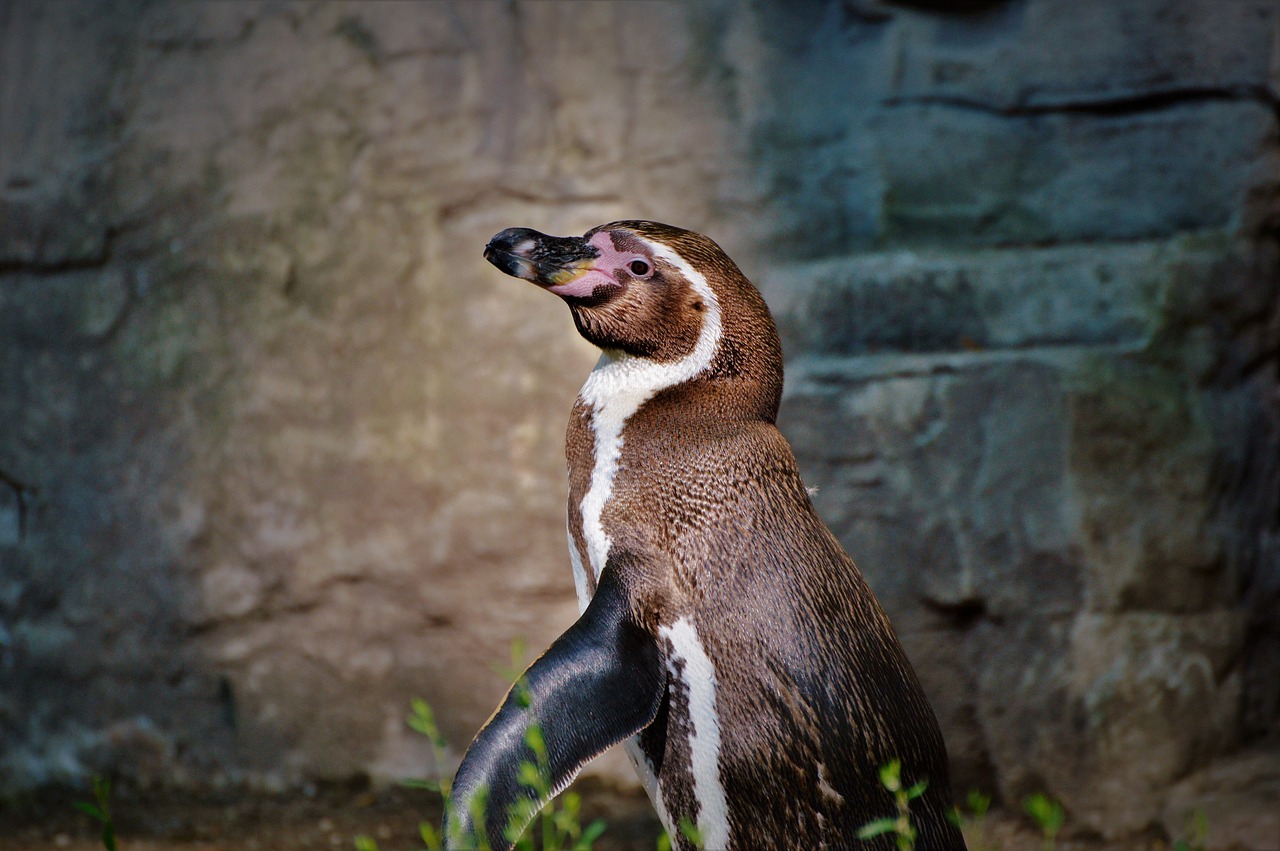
column 509, row 239
column 533, row 256
column 510, row 251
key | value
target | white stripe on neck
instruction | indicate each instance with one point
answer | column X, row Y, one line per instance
column 618, row 386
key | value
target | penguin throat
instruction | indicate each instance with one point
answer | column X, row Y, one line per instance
column 615, row 390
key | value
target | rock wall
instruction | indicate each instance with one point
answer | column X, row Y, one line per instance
column 281, row 452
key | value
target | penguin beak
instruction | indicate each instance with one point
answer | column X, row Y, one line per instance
column 551, row 262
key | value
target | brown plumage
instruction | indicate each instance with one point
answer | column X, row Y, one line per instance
column 725, row 631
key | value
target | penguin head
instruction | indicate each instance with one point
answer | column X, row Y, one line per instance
column 653, row 291
column 623, row 295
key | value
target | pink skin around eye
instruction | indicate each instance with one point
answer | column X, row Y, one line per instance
column 610, row 259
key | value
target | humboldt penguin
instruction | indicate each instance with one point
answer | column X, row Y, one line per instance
column 725, row 637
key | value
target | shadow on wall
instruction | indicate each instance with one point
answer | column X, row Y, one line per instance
column 283, row 452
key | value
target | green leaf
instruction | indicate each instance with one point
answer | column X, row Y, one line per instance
column 529, row 776
column 664, row 842
column 690, row 831
column 533, row 738
column 1045, row 811
column 366, row 843
column 589, row 836
column 891, row 775
column 978, row 803
column 880, row 826
column 519, row 814
column 430, row 836
column 479, row 803
column 917, row 790
column 1042, row 808
column 517, row 652
column 511, row 674
column 422, row 719
column 90, row 809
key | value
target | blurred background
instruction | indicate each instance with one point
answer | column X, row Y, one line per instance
column 279, row 451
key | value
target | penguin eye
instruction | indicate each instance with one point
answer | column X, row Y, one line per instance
column 639, row 268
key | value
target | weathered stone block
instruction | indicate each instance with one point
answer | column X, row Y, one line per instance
column 56, row 109
column 1048, row 54
column 943, row 477
column 931, row 301
column 1142, row 462
column 1105, row 712
column 961, row 174
column 1156, row 692
column 1021, row 668
column 10, row 516
column 989, row 125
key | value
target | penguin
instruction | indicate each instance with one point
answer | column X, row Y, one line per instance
column 726, row 638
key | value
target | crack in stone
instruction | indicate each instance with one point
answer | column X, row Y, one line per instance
column 22, row 492
column 1135, row 104
column 100, row 259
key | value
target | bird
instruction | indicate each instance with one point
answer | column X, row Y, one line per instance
column 725, row 638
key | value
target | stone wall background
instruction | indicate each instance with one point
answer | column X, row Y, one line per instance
column 279, row 451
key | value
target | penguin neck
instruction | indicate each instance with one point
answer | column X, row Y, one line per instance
column 622, row 382
column 695, row 387
column 616, row 389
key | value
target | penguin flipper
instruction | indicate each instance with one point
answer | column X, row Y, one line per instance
column 600, row 682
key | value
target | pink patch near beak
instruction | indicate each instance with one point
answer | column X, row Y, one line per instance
column 585, row 284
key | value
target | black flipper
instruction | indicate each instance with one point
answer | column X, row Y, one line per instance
column 599, row 683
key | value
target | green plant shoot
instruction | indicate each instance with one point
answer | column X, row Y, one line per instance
column 1047, row 814
column 101, row 811
column 560, row 822
column 900, row 825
